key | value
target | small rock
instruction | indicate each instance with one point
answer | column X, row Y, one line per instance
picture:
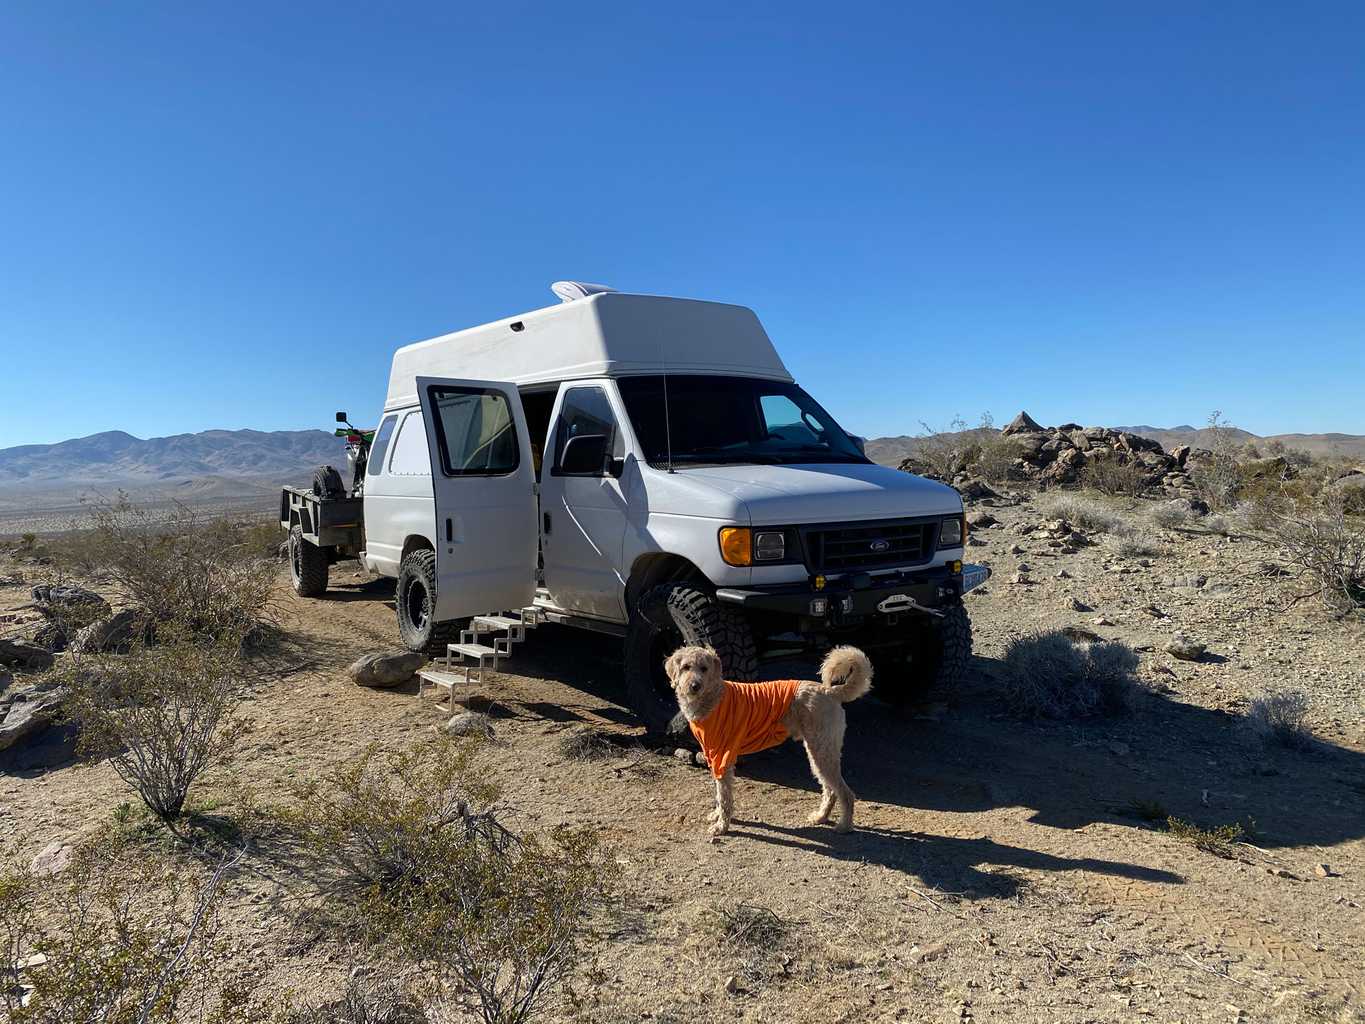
column 731, row 985
column 385, row 668
column 1322, row 871
column 1100, row 620
column 1062, row 574
column 1077, row 606
column 1185, row 649
column 1015, row 549
column 683, row 755
column 1022, row 579
column 1077, row 635
column 700, row 759
column 52, row 859
column 470, row 723
column 1025, row 567
column 982, row 520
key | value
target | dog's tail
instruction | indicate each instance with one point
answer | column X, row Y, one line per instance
column 846, row 673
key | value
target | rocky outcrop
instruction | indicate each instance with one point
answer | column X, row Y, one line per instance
column 1059, row 457
column 114, row 634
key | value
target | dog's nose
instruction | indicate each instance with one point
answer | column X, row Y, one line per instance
column 694, row 686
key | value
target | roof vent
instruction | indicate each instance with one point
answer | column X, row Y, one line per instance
column 568, row 291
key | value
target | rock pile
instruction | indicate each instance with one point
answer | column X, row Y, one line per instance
column 1058, row 456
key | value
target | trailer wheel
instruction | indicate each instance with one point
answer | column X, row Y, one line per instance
column 671, row 616
column 936, row 657
column 307, row 564
column 415, row 599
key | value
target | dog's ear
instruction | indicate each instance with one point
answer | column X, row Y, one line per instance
column 715, row 667
column 671, row 665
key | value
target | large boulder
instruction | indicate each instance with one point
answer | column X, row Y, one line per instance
column 29, row 711
column 1022, row 424
column 52, row 746
column 20, row 654
column 67, row 594
column 116, row 633
column 384, row 669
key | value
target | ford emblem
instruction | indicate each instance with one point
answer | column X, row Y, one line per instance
column 880, row 545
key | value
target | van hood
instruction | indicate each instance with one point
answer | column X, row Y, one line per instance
column 791, row 495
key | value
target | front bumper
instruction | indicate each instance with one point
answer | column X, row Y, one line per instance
column 860, row 595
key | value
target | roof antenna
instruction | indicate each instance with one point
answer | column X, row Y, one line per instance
column 668, row 425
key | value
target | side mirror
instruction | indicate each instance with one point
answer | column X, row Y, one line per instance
column 585, row 454
column 342, row 417
column 859, row 442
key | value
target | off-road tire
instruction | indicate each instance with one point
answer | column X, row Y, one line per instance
column 675, row 615
column 940, row 658
column 415, row 598
column 307, row 564
column 327, row 483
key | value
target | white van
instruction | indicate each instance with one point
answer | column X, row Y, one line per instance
column 647, row 467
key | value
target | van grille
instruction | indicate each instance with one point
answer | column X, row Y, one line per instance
column 879, row 544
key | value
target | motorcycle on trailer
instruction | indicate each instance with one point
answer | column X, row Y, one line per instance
column 325, row 522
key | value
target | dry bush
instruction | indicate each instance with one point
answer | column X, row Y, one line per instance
column 1281, row 717
column 1116, row 476
column 1216, row 477
column 417, row 865
column 128, row 938
column 1082, row 512
column 163, row 713
column 1218, row 841
column 995, row 458
column 1047, row 675
column 1170, row 516
column 1134, row 543
column 1323, row 543
column 204, row 572
column 364, row 1001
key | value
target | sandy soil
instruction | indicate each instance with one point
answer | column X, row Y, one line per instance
column 999, row 870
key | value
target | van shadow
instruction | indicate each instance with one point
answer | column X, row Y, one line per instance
column 1165, row 758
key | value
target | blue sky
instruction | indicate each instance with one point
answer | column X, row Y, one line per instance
column 230, row 215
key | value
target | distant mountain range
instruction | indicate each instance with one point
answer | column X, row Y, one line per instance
column 889, row 451
column 116, row 457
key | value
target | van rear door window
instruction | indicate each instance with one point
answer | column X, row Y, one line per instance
column 380, row 446
column 476, row 432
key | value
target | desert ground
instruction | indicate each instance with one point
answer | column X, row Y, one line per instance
column 1001, row 868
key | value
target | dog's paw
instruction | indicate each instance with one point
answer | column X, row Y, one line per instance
column 718, row 828
column 818, row 817
column 844, row 826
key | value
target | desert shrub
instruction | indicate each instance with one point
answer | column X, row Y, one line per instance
column 1215, row 475
column 1115, row 476
column 1281, row 717
column 163, row 713
column 1047, row 675
column 1135, row 544
column 1323, row 543
column 995, row 457
column 364, row 1001
column 417, row 864
column 588, row 745
column 945, row 453
column 1170, row 516
column 1082, row 512
column 185, row 568
column 1218, row 840
column 128, row 938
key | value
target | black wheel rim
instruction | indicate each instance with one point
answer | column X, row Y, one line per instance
column 417, row 604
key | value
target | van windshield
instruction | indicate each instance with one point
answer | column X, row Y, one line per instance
column 723, row 420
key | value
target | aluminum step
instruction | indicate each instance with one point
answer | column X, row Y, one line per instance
column 498, row 622
column 439, row 677
column 478, row 651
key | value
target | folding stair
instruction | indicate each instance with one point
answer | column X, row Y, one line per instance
column 466, row 661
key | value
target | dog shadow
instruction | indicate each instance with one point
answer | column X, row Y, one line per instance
column 971, row 868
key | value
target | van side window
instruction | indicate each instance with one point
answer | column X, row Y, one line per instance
column 411, row 456
column 380, row 446
column 476, row 432
column 585, row 411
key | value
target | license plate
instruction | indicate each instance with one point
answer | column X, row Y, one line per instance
column 973, row 576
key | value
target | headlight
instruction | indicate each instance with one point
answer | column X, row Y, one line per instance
column 952, row 533
column 770, row 546
column 741, row 546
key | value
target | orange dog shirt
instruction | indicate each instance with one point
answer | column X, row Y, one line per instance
column 747, row 719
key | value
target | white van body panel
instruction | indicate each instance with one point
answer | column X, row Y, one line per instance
column 603, row 335
column 399, row 505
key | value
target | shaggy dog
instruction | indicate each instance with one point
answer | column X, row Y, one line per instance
column 730, row 719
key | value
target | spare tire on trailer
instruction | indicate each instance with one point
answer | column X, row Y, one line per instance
column 677, row 615
column 327, row 483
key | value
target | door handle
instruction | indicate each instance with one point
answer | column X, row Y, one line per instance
column 450, row 531
column 546, row 523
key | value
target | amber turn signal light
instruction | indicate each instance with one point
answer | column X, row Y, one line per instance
column 736, row 545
